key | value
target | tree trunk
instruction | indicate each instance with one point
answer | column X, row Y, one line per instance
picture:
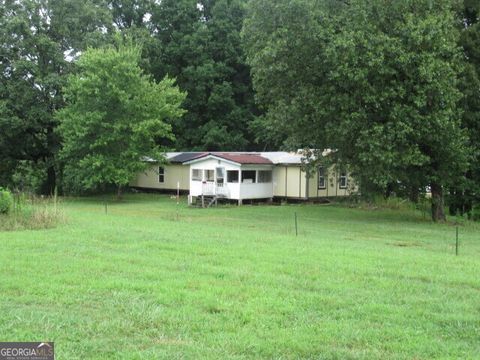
column 48, row 186
column 438, row 212
column 119, row 192
column 52, row 141
column 389, row 190
column 414, row 194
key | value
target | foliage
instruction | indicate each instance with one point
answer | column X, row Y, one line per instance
column 476, row 212
column 370, row 79
column 198, row 42
column 6, row 201
column 38, row 38
column 464, row 194
column 129, row 13
column 29, row 176
column 376, row 81
column 115, row 117
column 200, row 45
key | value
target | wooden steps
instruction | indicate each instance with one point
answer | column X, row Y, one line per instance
column 206, row 201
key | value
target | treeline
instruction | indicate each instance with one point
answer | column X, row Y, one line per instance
column 393, row 86
column 195, row 42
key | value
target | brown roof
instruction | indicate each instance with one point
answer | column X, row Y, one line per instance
column 239, row 157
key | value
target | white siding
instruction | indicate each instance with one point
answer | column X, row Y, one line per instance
column 236, row 191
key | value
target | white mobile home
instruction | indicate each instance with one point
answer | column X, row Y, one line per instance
column 165, row 177
column 231, row 176
column 244, row 176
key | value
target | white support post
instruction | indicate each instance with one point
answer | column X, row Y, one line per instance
column 178, row 192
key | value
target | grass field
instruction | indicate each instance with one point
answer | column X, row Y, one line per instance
column 150, row 281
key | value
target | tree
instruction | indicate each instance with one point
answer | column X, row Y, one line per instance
column 466, row 193
column 377, row 81
column 115, row 116
column 38, row 40
column 198, row 42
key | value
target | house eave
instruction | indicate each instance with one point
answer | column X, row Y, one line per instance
column 210, row 156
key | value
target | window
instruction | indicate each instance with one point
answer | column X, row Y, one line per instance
column 161, row 174
column 220, row 171
column 232, row 176
column 248, row 176
column 210, row 175
column 342, row 182
column 322, row 184
column 196, row 175
column 264, row 176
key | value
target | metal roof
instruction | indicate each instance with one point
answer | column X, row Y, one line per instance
column 243, row 158
column 236, row 157
column 184, row 156
column 246, row 157
column 283, row 157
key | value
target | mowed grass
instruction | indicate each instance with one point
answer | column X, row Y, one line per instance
column 153, row 280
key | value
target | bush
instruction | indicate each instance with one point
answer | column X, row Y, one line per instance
column 6, row 201
column 476, row 213
column 29, row 176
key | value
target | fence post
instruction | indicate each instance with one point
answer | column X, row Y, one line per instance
column 178, row 192
column 296, row 224
column 456, row 242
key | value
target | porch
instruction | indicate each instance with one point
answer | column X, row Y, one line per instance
column 215, row 178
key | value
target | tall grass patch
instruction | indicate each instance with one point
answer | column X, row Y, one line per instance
column 383, row 203
column 6, row 201
column 32, row 213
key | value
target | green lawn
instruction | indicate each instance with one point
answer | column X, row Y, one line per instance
column 235, row 282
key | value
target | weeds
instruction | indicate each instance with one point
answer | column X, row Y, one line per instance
column 33, row 213
column 381, row 203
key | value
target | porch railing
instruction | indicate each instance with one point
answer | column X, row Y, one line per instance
column 212, row 189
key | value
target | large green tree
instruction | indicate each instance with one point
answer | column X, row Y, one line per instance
column 38, row 41
column 198, row 42
column 115, row 116
column 378, row 81
column 466, row 193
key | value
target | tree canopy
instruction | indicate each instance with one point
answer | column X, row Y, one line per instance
column 466, row 192
column 36, row 39
column 198, row 42
column 115, row 116
column 376, row 81
column 393, row 87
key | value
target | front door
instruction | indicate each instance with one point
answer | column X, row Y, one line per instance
column 220, row 176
